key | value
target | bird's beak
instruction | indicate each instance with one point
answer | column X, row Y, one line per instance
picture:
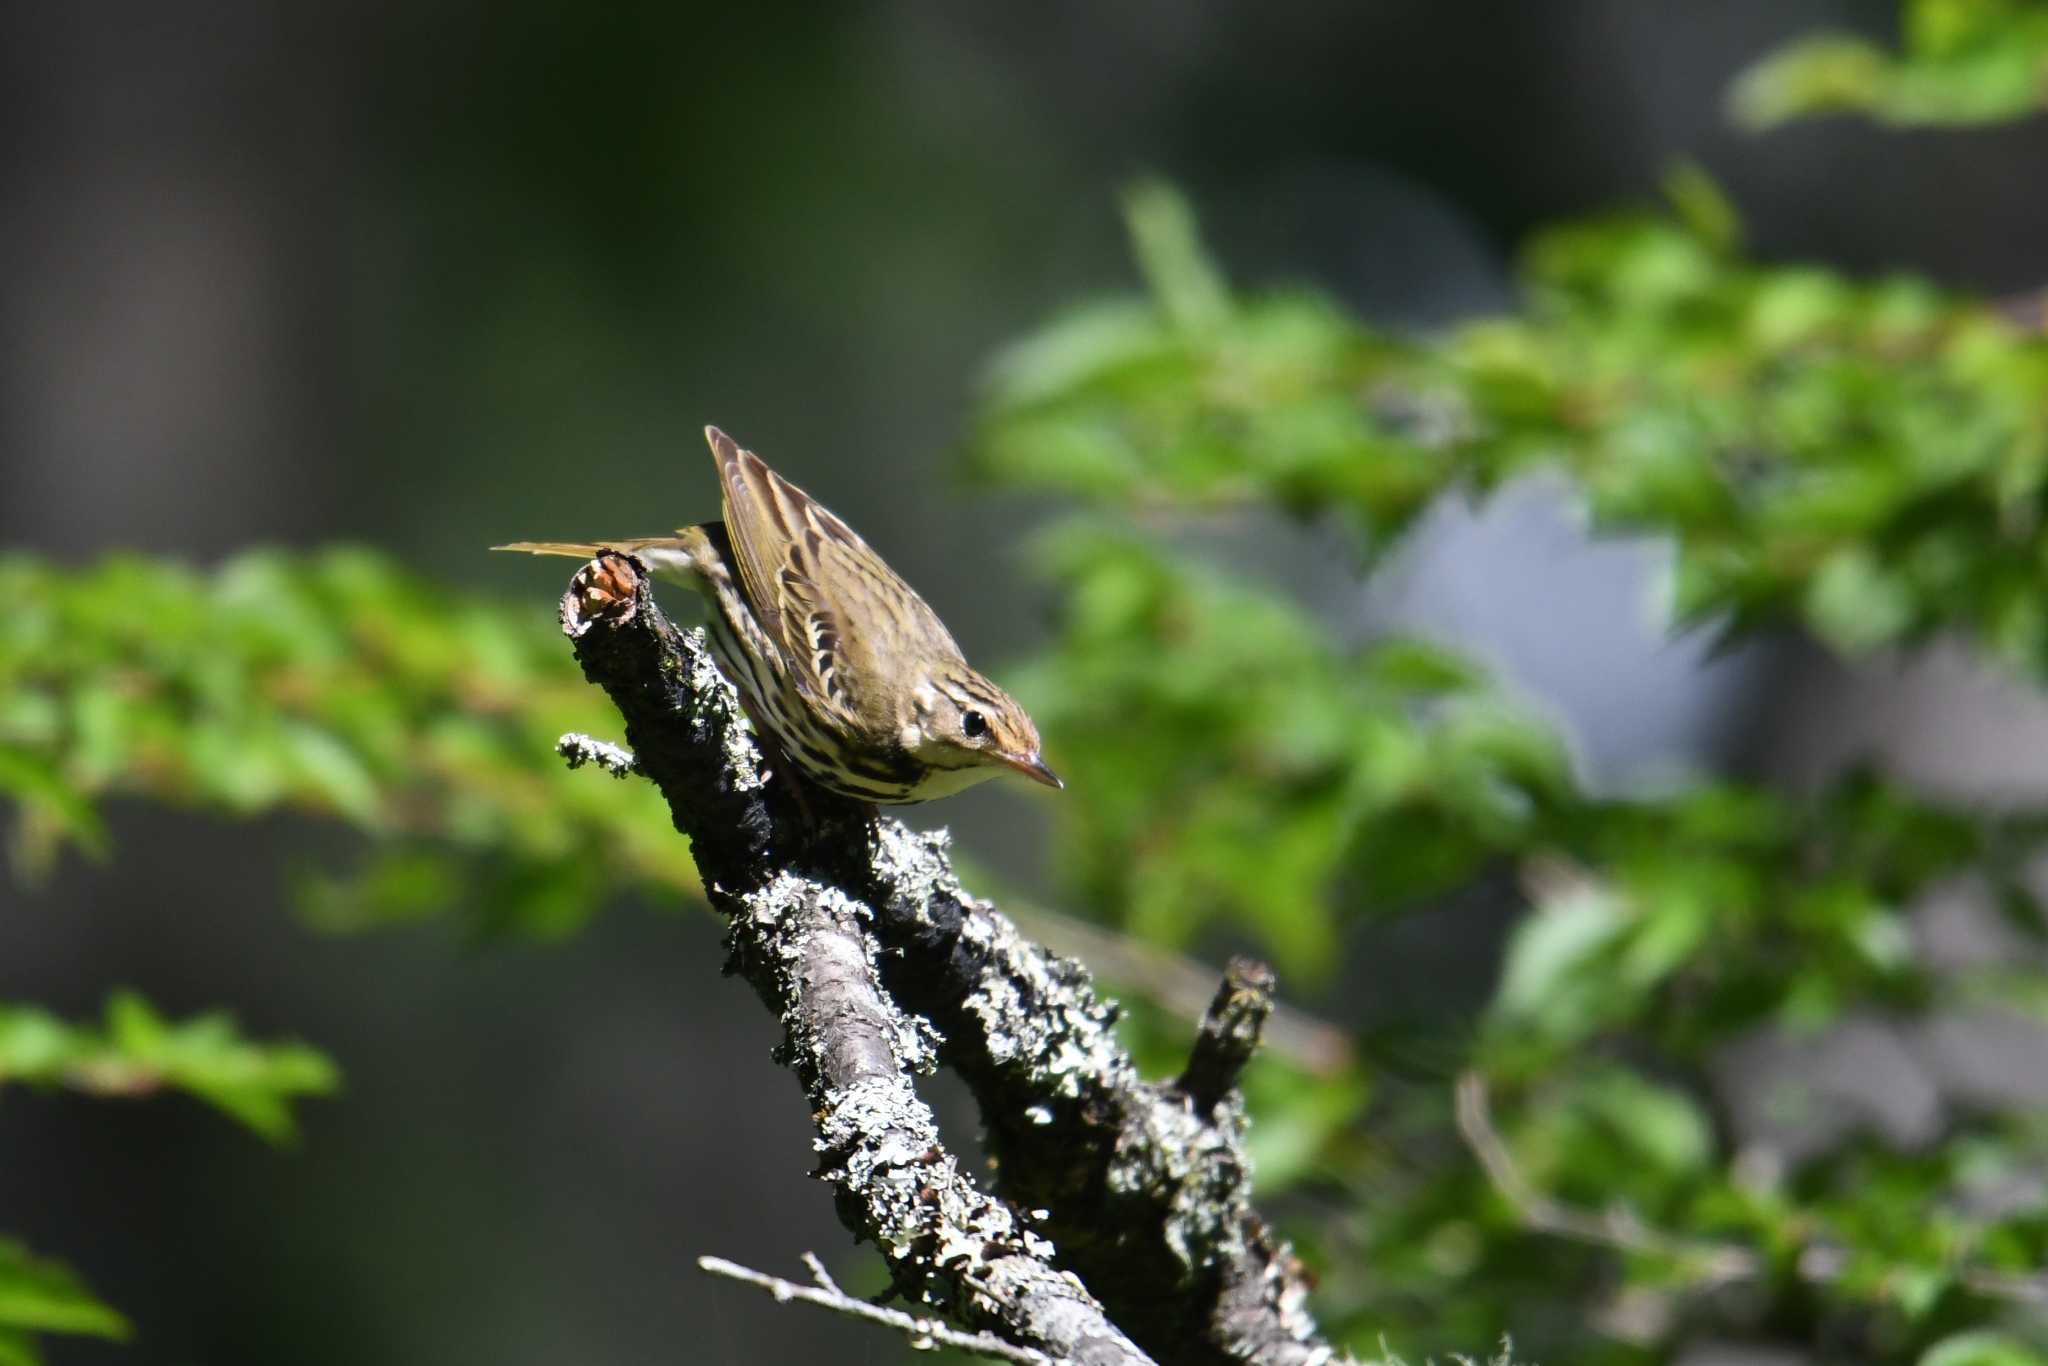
column 1032, row 767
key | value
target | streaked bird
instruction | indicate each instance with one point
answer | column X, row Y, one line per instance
column 838, row 660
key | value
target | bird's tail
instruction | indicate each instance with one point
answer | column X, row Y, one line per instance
column 582, row 550
column 670, row 557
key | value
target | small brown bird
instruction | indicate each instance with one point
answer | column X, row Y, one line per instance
column 835, row 657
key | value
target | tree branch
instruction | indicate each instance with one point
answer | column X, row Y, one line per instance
column 1617, row 1228
column 1229, row 1033
column 803, row 949
column 1144, row 1192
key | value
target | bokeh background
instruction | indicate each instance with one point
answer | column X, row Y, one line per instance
column 432, row 276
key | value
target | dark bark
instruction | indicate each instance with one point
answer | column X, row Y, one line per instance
column 1142, row 1191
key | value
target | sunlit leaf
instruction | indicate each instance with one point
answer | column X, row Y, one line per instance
column 42, row 1296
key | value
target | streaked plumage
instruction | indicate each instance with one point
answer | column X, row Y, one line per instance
column 837, row 658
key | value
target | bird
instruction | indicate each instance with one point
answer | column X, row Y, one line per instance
column 837, row 660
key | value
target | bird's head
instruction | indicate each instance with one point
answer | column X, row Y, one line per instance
column 962, row 724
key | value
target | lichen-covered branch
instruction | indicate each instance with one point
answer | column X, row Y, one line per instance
column 804, row 950
column 1229, row 1034
column 801, row 942
column 581, row 749
column 1142, row 1189
column 1148, row 1192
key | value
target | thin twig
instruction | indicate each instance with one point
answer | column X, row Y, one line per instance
column 821, row 1275
column 1617, row 1228
column 924, row 1333
column 1620, row 1229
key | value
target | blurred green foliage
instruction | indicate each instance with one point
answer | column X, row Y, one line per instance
column 39, row 1296
column 334, row 686
column 1864, row 460
column 136, row 1052
column 1961, row 62
column 1239, row 763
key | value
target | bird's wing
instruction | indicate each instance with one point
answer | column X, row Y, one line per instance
column 845, row 621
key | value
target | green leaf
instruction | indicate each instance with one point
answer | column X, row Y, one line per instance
column 1856, row 605
column 18, row 1349
column 41, row 1296
column 207, row 1057
column 1664, row 1126
column 1418, row 667
column 1186, row 284
column 1982, row 1349
column 1829, row 74
column 333, row 772
column 1297, row 1121
column 137, row 1051
column 1091, row 346
column 1964, row 62
column 1545, row 982
column 57, row 810
column 1703, row 206
column 397, row 886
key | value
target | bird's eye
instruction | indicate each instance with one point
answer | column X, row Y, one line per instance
column 973, row 724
